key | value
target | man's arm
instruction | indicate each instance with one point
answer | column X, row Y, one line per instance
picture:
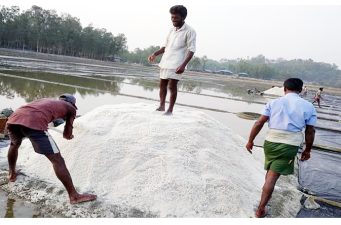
column 309, row 140
column 257, row 127
column 182, row 67
column 67, row 134
column 152, row 57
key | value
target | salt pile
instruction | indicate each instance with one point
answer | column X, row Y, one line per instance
column 276, row 91
column 185, row 165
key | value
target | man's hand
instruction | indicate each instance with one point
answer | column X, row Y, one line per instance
column 305, row 155
column 180, row 69
column 255, row 130
column 151, row 58
column 309, row 140
column 249, row 146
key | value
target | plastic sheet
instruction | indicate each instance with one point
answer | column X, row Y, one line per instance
column 321, row 175
column 327, row 138
column 324, row 211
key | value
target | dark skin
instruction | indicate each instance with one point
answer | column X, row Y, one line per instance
column 271, row 177
column 172, row 84
column 318, row 100
column 59, row 167
column 64, row 176
column 61, row 172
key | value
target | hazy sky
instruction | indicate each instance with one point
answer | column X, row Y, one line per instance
column 225, row 29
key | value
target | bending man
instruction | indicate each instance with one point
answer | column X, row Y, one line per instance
column 31, row 121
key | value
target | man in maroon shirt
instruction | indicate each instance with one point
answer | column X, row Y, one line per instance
column 31, row 121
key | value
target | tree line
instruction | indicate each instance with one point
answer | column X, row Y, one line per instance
column 278, row 69
column 45, row 31
column 256, row 67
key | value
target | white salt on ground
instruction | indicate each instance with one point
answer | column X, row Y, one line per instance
column 185, row 165
column 275, row 91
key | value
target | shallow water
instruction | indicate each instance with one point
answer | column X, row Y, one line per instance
column 12, row 207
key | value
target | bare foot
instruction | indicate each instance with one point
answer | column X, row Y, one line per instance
column 261, row 213
column 82, row 198
column 161, row 109
column 12, row 176
column 168, row 113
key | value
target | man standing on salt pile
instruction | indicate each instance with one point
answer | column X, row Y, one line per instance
column 178, row 50
column 31, row 121
column 287, row 117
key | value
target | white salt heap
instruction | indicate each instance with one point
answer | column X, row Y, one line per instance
column 185, row 165
column 275, row 91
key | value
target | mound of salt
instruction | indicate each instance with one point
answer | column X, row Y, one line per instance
column 185, row 165
column 275, row 91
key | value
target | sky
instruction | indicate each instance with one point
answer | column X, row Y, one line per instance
column 225, row 29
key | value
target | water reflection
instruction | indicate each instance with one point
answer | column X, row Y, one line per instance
column 153, row 84
column 16, row 208
column 9, row 208
column 42, row 84
column 52, row 85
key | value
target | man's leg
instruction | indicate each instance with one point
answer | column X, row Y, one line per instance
column 163, row 94
column 271, row 178
column 173, row 87
column 65, row 177
column 16, row 137
column 12, row 157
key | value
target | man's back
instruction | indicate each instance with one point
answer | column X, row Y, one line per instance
column 38, row 114
column 290, row 113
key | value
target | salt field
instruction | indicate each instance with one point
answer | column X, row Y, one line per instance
column 143, row 164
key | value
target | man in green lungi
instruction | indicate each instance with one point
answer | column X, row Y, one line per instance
column 287, row 117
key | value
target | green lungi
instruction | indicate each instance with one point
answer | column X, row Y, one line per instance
column 280, row 157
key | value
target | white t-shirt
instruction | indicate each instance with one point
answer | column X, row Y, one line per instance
column 177, row 44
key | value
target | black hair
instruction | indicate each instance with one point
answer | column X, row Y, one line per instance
column 179, row 10
column 293, row 84
column 321, row 89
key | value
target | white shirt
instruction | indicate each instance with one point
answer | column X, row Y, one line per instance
column 177, row 44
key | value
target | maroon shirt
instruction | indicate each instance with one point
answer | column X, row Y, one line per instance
column 38, row 114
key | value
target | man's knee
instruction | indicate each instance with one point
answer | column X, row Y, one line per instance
column 14, row 145
column 163, row 83
column 163, row 87
column 173, row 87
column 272, row 177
